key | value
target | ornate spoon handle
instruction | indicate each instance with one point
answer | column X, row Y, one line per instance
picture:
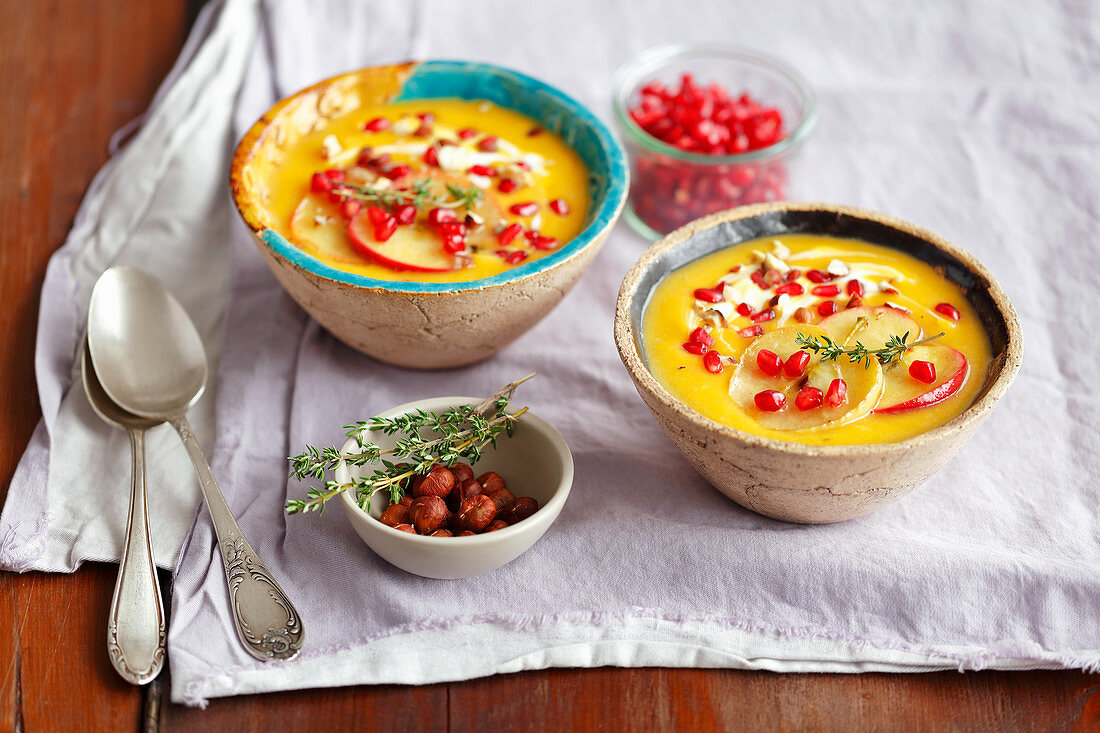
column 267, row 623
column 136, row 630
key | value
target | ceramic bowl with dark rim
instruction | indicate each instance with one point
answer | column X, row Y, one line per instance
column 420, row 324
column 796, row 482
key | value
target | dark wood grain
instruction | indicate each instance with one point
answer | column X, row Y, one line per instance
column 75, row 72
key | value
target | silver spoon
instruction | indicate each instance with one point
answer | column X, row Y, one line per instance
column 151, row 362
column 136, row 630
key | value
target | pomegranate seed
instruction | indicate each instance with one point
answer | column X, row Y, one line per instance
column 431, row 157
column 826, row 291
column 466, row 133
column 397, row 171
column 320, row 183
column 448, row 228
column 488, row 144
column 507, row 185
column 700, row 336
column 827, row 308
column 854, row 287
column 762, row 316
column 385, row 229
column 769, row 362
column 542, row 242
column 334, row 174
column 534, row 132
column 376, row 214
column 693, row 347
column 712, row 362
column 453, row 242
column 482, row 170
column 336, row 195
column 709, row 295
column 758, row 278
column 531, row 235
column 946, row 309
column 405, row 213
column 793, row 274
column 751, row 332
column 923, row 371
column 559, row 207
column 744, row 309
column 439, row 216
column 426, row 117
column 790, row 289
column 808, row 398
column 838, row 390
column 774, row 277
column 377, row 124
column 515, row 258
column 350, row 208
column 526, row 208
column 817, row 276
column 795, row 366
column 509, row 233
column 770, row 401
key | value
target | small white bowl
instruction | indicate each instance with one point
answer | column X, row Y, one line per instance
column 534, row 462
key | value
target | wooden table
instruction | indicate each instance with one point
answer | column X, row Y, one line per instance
column 73, row 73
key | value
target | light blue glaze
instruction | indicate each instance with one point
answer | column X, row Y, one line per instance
column 581, row 129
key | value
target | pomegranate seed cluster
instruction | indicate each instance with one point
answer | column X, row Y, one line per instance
column 706, row 120
column 401, row 207
column 450, row 502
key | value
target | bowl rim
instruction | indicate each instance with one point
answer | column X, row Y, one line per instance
column 630, row 74
column 553, row 506
column 605, row 211
column 632, row 359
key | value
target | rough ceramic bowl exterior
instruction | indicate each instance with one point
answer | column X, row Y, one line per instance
column 414, row 324
column 534, row 462
column 791, row 481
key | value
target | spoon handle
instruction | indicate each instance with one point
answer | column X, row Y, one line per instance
column 136, row 630
column 267, row 623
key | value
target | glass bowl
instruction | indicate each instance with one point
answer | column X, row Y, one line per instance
column 670, row 186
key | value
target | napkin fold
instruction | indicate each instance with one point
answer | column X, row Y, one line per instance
column 974, row 121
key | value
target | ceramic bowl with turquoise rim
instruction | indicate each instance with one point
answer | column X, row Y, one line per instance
column 427, row 325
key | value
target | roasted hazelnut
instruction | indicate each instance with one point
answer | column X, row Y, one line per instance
column 428, row 513
column 466, row 533
column 394, row 515
column 438, row 482
column 442, row 533
column 405, row 528
column 406, row 500
column 462, row 472
column 803, row 315
column 497, row 524
column 503, row 498
column 476, row 513
column 490, row 482
column 523, row 507
column 462, row 492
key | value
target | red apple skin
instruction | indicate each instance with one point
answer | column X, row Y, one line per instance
column 362, row 238
column 938, row 393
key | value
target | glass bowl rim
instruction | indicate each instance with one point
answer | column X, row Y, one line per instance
column 630, row 74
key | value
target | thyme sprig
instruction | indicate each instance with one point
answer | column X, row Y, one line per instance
column 419, row 194
column 462, row 432
column 831, row 351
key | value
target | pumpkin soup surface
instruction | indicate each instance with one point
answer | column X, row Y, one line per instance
column 436, row 190
column 816, row 339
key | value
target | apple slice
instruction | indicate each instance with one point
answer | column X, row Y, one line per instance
column 865, row 384
column 903, row 393
column 872, row 327
column 317, row 227
column 409, row 248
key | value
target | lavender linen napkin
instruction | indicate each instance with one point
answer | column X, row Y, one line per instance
column 974, row 120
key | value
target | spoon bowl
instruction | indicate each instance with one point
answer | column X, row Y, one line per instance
column 108, row 410
column 147, row 352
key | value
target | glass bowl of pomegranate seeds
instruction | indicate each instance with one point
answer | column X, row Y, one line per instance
column 707, row 127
